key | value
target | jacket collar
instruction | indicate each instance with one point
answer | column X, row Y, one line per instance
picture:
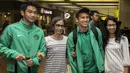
column 78, row 29
column 25, row 25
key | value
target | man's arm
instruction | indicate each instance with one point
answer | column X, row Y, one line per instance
column 70, row 50
column 41, row 52
column 5, row 43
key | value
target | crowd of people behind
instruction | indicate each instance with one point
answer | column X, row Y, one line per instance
column 95, row 46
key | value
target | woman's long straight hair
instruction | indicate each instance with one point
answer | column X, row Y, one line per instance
column 117, row 32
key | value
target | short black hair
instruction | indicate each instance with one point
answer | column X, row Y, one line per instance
column 83, row 10
column 93, row 11
column 24, row 6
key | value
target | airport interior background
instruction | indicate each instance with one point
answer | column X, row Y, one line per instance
column 9, row 11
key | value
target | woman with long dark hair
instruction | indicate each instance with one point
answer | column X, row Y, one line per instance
column 117, row 56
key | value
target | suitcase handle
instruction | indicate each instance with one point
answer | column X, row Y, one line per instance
column 29, row 68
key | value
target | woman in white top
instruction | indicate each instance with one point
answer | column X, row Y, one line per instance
column 56, row 48
column 117, row 57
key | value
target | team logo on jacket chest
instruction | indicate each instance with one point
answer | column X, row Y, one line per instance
column 36, row 36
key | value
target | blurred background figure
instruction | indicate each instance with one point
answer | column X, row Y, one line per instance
column 6, row 23
column 94, row 17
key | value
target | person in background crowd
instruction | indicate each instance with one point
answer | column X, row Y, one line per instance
column 5, row 25
column 95, row 18
column 117, row 57
column 97, row 22
column 23, row 40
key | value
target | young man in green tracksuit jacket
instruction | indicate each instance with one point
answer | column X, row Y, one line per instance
column 23, row 39
column 88, row 56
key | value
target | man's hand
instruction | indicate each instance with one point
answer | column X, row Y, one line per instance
column 20, row 57
column 40, row 55
column 30, row 62
column 73, row 54
column 126, row 69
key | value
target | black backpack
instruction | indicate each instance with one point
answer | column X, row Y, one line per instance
column 94, row 30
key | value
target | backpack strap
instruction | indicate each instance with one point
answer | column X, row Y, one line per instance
column 75, row 38
column 95, row 32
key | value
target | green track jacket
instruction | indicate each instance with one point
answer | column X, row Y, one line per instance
column 77, row 65
column 20, row 38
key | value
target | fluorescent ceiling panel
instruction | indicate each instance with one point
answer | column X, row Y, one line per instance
column 60, row 4
column 75, row 7
column 100, row 7
column 97, row 4
column 95, row 0
column 103, row 9
column 51, row 0
column 22, row 0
